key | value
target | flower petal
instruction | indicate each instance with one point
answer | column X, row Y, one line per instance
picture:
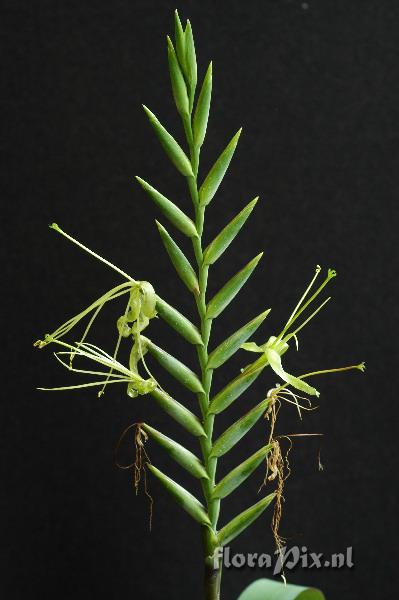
column 275, row 362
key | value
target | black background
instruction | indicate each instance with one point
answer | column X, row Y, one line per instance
column 315, row 86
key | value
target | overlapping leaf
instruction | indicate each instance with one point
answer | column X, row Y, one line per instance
column 215, row 176
column 235, row 432
column 232, row 391
column 243, row 520
column 236, row 477
column 227, row 235
column 231, row 289
column 178, row 412
column 169, row 144
column 227, row 348
column 179, row 453
column 177, row 80
column 201, row 115
column 179, row 260
column 184, row 498
column 175, row 367
column 172, row 212
column 179, row 322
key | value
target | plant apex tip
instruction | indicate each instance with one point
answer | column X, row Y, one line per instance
column 362, row 367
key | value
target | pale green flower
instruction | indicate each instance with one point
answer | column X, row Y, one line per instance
column 140, row 308
column 276, row 346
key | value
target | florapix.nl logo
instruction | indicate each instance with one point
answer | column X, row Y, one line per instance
column 285, row 559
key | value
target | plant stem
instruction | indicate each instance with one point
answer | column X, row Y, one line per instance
column 212, row 575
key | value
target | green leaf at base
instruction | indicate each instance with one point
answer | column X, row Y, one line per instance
column 276, row 590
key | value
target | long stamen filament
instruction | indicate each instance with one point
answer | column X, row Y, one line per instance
column 112, row 294
column 318, row 269
column 86, row 249
column 314, row 313
column 359, row 367
column 118, row 343
column 301, row 307
column 107, row 362
column 84, row 371
column 83, row 385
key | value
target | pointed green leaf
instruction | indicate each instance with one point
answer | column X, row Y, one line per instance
column 176, row 368
column 179, row 88
column 214, row 178
column 231, row 289
column 179, row 261
column 243, row 520
column 279, row 590
column 201, row 114
column 179, row 453
column 179, row 322
column 170, row 210
column 235, row 432
column 227, row 235
column 180, row 42
column 186, row 500
column 227, row 348
column 236, row 477
column 178, row 412
column 171, row 147
column 232, row 391
column 191, row 61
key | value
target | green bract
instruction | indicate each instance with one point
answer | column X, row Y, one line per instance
column 141, row 307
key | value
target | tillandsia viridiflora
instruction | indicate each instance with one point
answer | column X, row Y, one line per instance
column 142, row 305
